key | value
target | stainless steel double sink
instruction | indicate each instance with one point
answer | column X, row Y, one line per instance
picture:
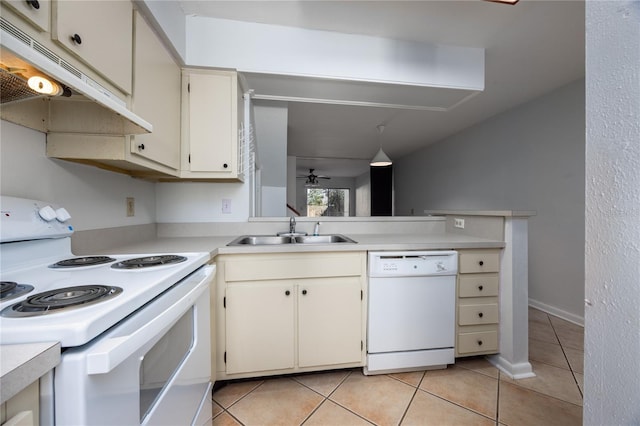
column 260, row 240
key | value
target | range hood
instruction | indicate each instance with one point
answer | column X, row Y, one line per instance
column 88, row 107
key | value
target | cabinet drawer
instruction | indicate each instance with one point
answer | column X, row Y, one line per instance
column 478, row 314
column 481, row 341
column 471, row 261
column 478, row 285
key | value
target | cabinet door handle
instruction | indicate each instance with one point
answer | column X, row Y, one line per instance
column 286, row 293
column 480, row 288
column 479, row 342
column 76, row 39
column 481, row 263
column 141, row 147
column 304, row 292
column 480, row 314
column 34, row 4
column 225, row 165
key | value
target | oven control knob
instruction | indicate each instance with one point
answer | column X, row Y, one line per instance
column 62, row 215
column 47, row 213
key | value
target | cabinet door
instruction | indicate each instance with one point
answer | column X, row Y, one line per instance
column 329, row 321
column 260, row 326
column 212, row 122
column 36, row 13
column 104, row 32
column 156, row 97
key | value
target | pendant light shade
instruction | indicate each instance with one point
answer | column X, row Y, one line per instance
column 381, row 159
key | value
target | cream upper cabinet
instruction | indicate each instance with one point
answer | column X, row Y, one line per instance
column 156, row 97
column 211, row 118
column 283, row 313
column 100, row 33
column 35, row 12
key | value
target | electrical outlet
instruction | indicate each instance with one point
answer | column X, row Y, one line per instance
column 131, row 206
column 226, row 205
column 458, row 223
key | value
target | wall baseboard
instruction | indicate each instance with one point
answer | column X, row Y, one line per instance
column 552, row 310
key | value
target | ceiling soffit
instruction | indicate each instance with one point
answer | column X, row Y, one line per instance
column 296, row 64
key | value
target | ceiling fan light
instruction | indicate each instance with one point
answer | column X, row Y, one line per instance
column 381, row 159
column 504, row 1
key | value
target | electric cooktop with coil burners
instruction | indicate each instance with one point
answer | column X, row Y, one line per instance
column 47, row 293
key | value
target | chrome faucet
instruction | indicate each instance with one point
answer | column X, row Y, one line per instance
column 316, row 229
column 292, row 225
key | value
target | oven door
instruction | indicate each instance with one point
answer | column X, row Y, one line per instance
column 152, row 368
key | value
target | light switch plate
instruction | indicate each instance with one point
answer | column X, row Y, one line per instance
column 458, row 223
column 226, row 206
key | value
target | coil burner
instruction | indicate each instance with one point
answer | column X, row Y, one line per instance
column 149, row 261
column 11, row 289
column 57, row 300
column 82, row 261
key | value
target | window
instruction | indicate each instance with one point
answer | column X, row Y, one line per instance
column 327, row 202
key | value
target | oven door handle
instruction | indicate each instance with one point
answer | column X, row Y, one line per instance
column 110, row 352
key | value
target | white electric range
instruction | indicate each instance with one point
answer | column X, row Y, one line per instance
column 134, row 328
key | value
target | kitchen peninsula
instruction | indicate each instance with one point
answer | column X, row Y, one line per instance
column 505, row 230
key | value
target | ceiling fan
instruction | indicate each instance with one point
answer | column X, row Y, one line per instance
column 312, row 179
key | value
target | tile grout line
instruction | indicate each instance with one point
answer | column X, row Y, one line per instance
column 415, row 392
column 460, row 405
column 498, row 400
column 226, row 409
column 326, row 398
column 573, row 373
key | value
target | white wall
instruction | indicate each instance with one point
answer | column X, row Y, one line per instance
column 95, row 198
column 528, row 158
column 612, row 246
column 178, row 202
column 276, row 49
column 363, row 195
column 271, row 119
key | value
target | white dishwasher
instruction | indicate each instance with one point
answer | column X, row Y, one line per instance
column 411, row 315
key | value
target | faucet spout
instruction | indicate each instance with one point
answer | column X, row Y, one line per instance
column 292, row 225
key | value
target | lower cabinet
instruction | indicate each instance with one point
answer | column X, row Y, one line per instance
column 23, row 408
column 260, row 327
column 477, row 307
column 275, row 319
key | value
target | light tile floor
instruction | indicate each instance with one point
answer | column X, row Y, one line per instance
column 472, row 392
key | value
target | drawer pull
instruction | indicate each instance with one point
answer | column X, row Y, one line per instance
column 76, row 39
column 479, row 342
column 141, row 147
column 286, row 293
column 34, row 4
column 481, row 263
column 480, row 314
column 480, row 287
column 304, row 292
column 225, row 165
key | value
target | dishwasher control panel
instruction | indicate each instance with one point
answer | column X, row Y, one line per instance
column 413, row 263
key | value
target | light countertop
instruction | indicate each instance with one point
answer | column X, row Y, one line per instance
column 364, row 242
column 23, row 364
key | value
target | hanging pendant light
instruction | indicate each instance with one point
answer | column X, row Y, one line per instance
column 380, row 159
